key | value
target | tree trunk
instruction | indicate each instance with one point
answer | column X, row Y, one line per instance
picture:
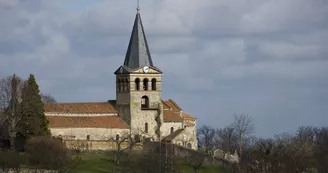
column 12, row 139
column 117, row 159
column 195, row 170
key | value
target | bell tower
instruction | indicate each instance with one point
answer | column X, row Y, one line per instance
column 138, row 85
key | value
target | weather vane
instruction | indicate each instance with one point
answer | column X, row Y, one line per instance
column 138, row 5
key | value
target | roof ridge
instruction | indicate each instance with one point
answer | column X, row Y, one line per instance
column 172, row 135
column 175, row 104
column 163, row 101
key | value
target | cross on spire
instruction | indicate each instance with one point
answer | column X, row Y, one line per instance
column 138, row 6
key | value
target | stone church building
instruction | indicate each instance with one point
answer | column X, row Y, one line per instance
column 138, row 110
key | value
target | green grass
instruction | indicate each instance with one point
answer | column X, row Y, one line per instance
column 185, row 168
column 95, row 162
column 99, row 162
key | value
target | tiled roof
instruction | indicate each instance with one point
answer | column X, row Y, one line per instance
column 187, row 116
column 170, row 137
column 86, row 121
column 170, row 104
column 96, row 107
column 165, row 105
column 171, row 116
column 175, row 104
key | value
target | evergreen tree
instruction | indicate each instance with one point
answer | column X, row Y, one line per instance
column 34, row 120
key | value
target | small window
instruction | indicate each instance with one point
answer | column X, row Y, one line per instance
column 144, row 102
column 118, row 85
column 137, row 138
column 153, row 84
column 145, row 84
column 189, row 145
column 172, row 130
column 127, row 85
column 137, row 84
column 117, row 137
column 123, row 84
column 146, row 127
column 88, row 137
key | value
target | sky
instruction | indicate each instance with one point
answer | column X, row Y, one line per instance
column 265, row 58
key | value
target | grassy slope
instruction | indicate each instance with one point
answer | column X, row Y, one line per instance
column 99, row 163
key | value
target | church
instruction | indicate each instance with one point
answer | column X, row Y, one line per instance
column 138, row 111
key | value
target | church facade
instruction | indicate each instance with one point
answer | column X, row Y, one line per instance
column 138, row 111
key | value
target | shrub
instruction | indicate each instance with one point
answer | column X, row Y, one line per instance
column 47, row 153
column 9, row 160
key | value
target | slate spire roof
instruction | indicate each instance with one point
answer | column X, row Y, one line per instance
column 138, row 54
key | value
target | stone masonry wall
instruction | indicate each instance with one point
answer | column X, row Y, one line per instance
column 139, row 117
column 166, row 127
column 82, row 133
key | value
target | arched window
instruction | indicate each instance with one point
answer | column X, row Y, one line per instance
column 172, row 130
column 88, row 137
column 117, row 137
column 189, row 145
column 145, row 84
column 137, row 138
column 146, row 127
column 118, row 85
column 127, row 85
column 144, row 102
column 153, row 84
column 137, row 84
column 121, row 84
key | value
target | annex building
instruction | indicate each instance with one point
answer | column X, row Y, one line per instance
column 138, row 110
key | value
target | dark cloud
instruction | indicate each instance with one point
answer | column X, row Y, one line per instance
column 267, row 58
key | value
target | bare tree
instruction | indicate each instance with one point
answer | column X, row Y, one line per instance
column 306, row 134
column 321, row 149
column 206, row 137
column 5, row 94
column 125, row 143
column 5, row 97
column 244, row 127
column 5, row 90
column 47, row 98
column 195, row 159
column 226, row 139
column 12, row 114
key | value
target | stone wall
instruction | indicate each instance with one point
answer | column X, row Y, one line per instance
column 98, row 145
column 82, row 133
column 129, row 103
column 139, row 117
column 166, row 127
column 182, row 152
column 186, row 139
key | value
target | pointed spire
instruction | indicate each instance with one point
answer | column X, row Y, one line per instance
column 138, row 54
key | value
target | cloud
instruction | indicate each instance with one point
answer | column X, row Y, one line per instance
column 267, row 58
